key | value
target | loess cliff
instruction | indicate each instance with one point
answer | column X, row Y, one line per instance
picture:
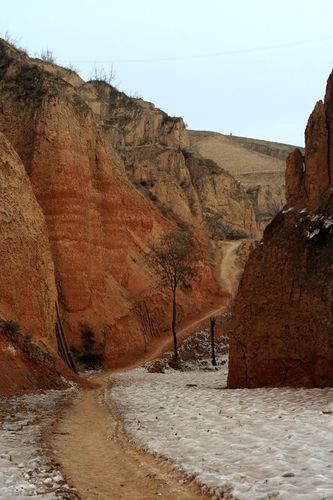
column 106, row 187
column 27, row 285
column 282, row 331
column 182, row 185
column 258, row 165
column 154, row 152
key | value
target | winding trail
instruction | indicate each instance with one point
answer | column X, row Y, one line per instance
column 90, row 444
column 229, row 270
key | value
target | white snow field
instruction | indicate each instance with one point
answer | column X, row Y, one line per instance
column 25, row 469
column 246, row 443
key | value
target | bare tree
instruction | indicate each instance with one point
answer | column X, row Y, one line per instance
column 8, row 37
column 212, row 338
column 101, row 75
column 73, row 68
column 15, row 41
column 174, row 259
column 47, row 56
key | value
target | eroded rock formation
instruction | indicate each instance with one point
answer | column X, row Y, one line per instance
column 27, row 286
column 258, row 165
column 282, row 330
column 160, row 163
column 153, row 151
column 99, row 226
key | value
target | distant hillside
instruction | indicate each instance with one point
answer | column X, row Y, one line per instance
column 258, row 165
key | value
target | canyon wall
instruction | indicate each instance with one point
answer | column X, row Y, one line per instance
column 258, row 165
column 28, row 349
column 161, row 164
column 99, row 226
column 27, row 286
column 282, row 327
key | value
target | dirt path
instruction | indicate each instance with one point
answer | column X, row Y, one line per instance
column 91, row 446
column 95, row 455
column 229, row 270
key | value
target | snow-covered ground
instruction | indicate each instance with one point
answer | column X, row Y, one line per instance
column 25, row 469
column 252, row 443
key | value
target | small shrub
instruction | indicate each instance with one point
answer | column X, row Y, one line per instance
column 10, row 326
column 176, row 363
column 47, row 56
column 24, row 341
column 15, row 42
column 135, row 95
column 74, row 69
column 90, row 356
column 157, row 366
column 101, row 75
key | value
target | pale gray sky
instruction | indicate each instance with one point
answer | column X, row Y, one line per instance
column 251, row 67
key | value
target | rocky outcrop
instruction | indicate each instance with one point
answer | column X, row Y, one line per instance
column 282, row 328
column 99, row 227
column 308, row 178
column 267, row 200
column 129, row 121
column 159, row 161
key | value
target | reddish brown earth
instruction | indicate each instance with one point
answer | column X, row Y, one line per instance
column 26, row 365
column 282, row 329
column 28, row 369
column 27, row 286
column 99, row 228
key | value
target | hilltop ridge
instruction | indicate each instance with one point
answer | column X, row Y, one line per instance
column 258, row 165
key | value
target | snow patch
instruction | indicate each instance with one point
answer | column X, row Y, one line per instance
column 252, row 443
column 328, row 223
column 286, row 210
column 318, row 222
column 25, row 469
column 311, row 234
column 11, row 349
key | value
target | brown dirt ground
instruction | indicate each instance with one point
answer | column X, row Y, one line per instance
column 91, row 446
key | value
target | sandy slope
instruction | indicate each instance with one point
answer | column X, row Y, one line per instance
column 92, row 448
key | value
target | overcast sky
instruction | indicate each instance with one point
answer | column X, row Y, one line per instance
column 252, row 68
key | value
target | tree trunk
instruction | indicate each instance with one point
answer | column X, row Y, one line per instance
column 212, row 335
column 174, row 317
